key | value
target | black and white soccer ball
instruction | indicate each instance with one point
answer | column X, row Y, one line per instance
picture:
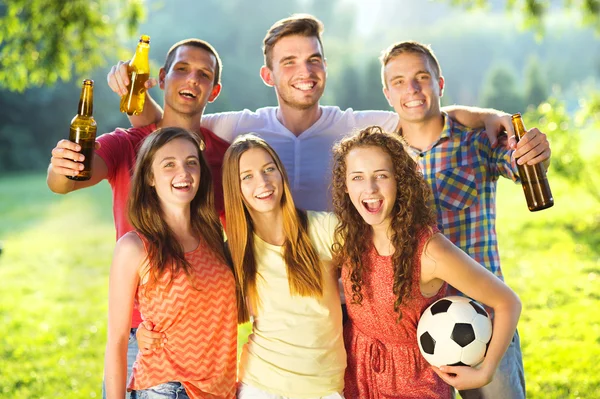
column 454, row 331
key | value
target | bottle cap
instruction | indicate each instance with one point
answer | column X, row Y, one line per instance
column 145, row 38
column 88, row 82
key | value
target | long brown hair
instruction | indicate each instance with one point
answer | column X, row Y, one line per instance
column 146, row 215
column 301, row 259
column 411, row 213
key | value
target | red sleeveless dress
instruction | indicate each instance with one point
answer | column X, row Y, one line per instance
column 383, row 355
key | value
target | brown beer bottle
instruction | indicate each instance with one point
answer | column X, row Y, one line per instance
column 533, row 178
column 83, row 129
column 139, row 71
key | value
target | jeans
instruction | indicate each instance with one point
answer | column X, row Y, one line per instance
column 245, row 391
column 509, row 380
column 168, row 390
column 132, row 351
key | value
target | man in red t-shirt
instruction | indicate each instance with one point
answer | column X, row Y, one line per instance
column 190, row 78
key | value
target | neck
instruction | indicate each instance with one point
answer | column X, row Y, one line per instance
column 190, row 122
column 423, row 134
column 178, row 219
column 382, row 239
column 297, row 120
column 269, row 226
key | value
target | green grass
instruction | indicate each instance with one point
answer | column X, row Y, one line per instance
column 57, row 252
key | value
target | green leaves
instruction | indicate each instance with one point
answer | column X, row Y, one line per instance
column 43, row 41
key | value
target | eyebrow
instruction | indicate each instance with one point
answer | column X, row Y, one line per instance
column 419, row 72
column 293, row 57
column 172, row 158
column 375, row 171
column 248, row 170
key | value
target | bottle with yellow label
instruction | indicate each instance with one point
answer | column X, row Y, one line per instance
column 139, row 72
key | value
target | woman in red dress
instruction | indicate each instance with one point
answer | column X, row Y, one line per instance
column 395, row 263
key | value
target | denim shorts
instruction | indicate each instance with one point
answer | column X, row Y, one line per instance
column 245, row 391
column 168, row 390
column 509, row 380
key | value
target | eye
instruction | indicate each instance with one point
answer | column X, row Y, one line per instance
column 382, row 176
column 357, row 178
column 398, row 82
column 169, row 165
column 246, row 177
column 193, row 162
column 269, row 169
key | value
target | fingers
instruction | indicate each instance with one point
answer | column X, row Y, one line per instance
column 496, row 125
column 149, row 341
column 118, row 77
column 97, row 145
column 66, row 159
column 533, row 148
column 150, row 83
column 447, row 377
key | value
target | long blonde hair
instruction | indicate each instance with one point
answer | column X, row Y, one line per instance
column 302, row 261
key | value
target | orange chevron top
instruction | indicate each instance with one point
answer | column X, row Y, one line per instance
column 200, row 323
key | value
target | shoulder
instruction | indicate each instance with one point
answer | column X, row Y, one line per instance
column 132, row 246
column 322, row 218
column 209, row 135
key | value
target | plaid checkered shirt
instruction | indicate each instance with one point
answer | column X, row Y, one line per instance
column 462, row 170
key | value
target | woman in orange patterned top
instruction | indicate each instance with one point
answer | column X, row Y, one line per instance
column 174, row 266
column 395, row 264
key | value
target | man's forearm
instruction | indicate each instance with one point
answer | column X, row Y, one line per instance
column 152, row 113
column 58, row 183
column 473, row 117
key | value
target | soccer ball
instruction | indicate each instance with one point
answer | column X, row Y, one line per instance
column 454, row 331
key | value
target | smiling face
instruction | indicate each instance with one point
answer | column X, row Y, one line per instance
column 412, row 87
column 371, row 185
column 298, row 71
column 176, row 172
column 260, row 181
column 189, row 82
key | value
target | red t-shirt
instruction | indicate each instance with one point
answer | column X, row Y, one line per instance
column 119, row 150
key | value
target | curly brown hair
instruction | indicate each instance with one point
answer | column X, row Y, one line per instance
column 410, row 214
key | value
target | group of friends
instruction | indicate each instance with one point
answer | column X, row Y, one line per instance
column 258, row 215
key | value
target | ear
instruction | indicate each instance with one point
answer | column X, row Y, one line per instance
column 441, row 84
column 386, row 93
column 215, row 92
column 267, row 76
column 161, row 78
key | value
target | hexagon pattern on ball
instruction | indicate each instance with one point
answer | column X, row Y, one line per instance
column 454, row 331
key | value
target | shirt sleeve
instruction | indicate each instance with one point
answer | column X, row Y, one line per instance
column 223, row 124
column 500, row 160
column 387, row 120
column 110, row 152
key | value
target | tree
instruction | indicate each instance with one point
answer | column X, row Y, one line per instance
column 500, row 90
column 534, row 11
column 43, row 41
column 536, row 87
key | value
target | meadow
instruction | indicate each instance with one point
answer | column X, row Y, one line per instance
column 57, row 252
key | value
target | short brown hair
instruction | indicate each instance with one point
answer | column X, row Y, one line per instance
column 298, row 24
column 409, row 47
column 198, row 44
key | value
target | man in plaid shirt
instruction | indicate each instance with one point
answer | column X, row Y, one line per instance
column 462, row 167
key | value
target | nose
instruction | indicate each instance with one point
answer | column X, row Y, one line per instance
column 414, row 86
column 192, row 78
column 372, row 186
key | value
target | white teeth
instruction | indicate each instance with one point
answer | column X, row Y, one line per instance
column 304, row 86
column 264, row 195
column 187, row 93
column 414, row 103
column 181, row 185
column 371, row 200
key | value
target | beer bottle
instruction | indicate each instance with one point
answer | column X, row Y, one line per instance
column 139, row 71
column 533, row 177
column 83, row 129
